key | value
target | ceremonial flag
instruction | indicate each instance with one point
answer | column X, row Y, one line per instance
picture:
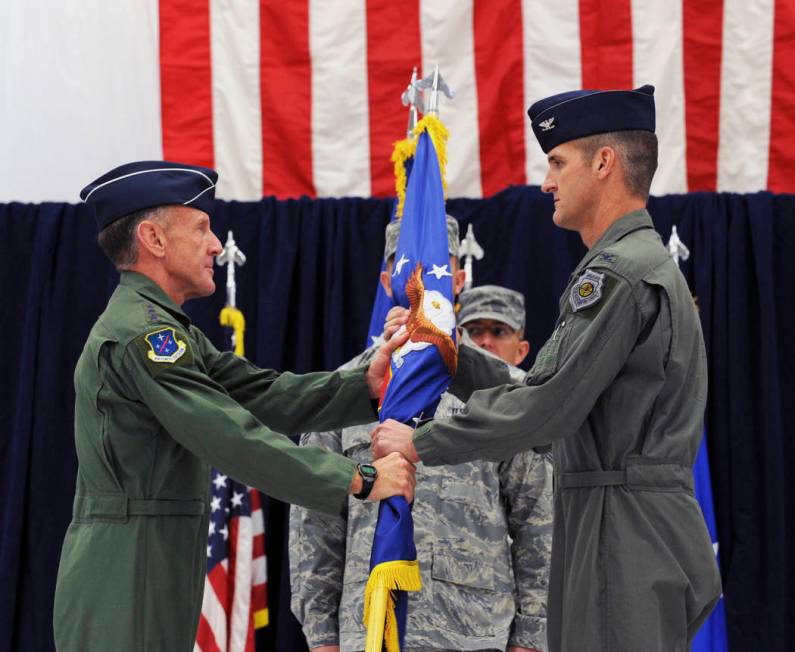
column 712, row 635
column 419, row 373
column 403, row 158
column 235, row 600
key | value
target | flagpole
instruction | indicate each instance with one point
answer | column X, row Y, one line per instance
column 230, row 315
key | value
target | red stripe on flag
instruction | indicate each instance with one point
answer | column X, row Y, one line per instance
column 258, row 546
column 205, row 637
column 606, row 44
column 186, row 101
column 782, row 115
column 499, row 74
column 393, row 49
column 703, row 43
column 220, row 581
column 286, row 97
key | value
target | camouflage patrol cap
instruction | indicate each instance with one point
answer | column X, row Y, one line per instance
column 393, row 233
column 492, row 302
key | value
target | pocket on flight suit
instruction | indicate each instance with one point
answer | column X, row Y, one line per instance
column 548, row 357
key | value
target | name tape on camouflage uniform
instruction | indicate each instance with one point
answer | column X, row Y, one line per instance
column 587, row 291
column 165, row 347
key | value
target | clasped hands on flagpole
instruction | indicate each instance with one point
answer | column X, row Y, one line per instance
column 392, row 436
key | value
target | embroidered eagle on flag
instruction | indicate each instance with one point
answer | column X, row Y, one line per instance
column 432, row 320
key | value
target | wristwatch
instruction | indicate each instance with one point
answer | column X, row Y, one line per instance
column 369, row 473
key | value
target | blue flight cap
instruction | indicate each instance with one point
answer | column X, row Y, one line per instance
column 146, row 184
column 576, row 114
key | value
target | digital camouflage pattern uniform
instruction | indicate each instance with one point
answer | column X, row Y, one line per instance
column 133, row 561
column 620, row 389
column 479, row 589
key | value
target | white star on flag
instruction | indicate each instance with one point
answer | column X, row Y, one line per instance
column 215, row 505
column 209, row 550
column 220, row 481
column 225, row 532
column 237, row 499
column 399, row 264
column 438, row 272
column 212, row 528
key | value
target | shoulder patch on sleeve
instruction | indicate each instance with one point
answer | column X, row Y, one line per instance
column 587, row 291
column 163, row 347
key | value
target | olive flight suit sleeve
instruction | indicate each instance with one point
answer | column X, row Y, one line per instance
column 202, row 416
column 584, row 354
column 317, row 560
column 288, row 402
column 526, row 491
column 476, row 371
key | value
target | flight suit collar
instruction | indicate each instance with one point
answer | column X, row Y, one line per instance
column 150, row 290
column 623, row 226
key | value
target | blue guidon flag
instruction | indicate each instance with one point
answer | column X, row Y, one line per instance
column 403, row 158
column 420, row 372
column 164, row 346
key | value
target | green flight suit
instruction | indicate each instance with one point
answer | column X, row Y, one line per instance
column 133, row 561
column 620, row 390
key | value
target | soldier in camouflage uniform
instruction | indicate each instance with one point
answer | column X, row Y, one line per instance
column 482, row 529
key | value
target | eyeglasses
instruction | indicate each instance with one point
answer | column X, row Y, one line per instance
column 498, row 332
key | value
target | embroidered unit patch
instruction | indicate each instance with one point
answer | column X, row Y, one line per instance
column 587, row 291
column 164, row 346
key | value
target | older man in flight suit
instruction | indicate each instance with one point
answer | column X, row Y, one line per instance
column 157, row 404
column 620, row 388
column 482, row 529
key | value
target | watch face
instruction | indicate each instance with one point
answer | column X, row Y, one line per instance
column 368, row 470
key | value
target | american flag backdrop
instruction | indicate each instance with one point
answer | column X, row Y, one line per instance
column 235, row 589
column 302, row 97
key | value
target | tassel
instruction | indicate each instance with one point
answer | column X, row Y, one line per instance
column 233, row 318
column 379, row 601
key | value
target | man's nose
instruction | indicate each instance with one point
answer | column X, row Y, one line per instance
column 547, row 185
column 215, row 245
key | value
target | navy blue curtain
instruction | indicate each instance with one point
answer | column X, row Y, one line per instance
column 307, row 291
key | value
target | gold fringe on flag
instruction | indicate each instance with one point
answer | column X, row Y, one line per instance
column 233, row 318
column 379, row 602
column 402, row 151
column 439, row 136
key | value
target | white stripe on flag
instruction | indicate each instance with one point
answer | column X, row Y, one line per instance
column 241, row 602
column 214, row 612
column 657, row 60
column 746, row 71
column 340, row 105
column 446, row 29
column 237, row 122
column 259, row 574
column 551, row 37
column 258, row 522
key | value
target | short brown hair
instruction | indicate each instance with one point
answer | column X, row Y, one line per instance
column 117, row 240
column 637, row 151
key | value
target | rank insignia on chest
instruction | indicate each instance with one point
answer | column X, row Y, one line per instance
column 164, row 346
column 587, row 291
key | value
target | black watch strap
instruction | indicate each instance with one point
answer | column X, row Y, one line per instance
column 368, row 474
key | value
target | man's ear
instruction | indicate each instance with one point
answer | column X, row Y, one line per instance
column 152, row 237
column 521, row 352
column 386, row 281
column 605, row 161
column 459, row 278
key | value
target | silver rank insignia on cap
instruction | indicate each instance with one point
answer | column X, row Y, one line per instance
column 587, row 290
